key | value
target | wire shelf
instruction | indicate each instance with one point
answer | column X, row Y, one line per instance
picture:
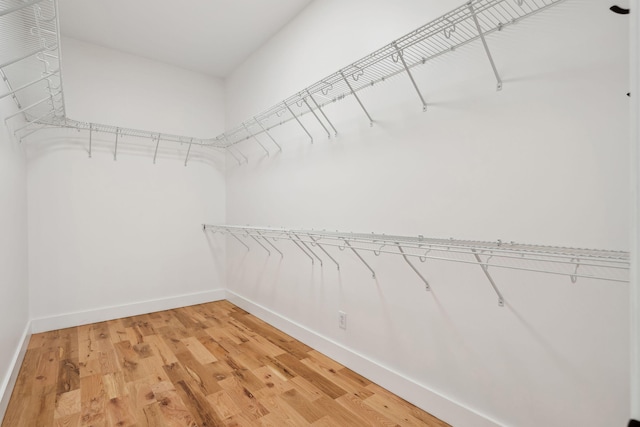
column 30, row 63
column 30, row 57
column 612, row 266
column 467, row 23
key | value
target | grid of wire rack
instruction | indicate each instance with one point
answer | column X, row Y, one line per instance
column 30, row 63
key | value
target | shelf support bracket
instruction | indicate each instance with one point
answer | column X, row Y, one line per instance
column 268, row 134
column 238, row 239
column 8, row 84
column 115, row 152
column 234, row 156
column 308, row 248
column 186, row 159
column 415, row 85
column 260, row 243
column 322, row 112
column 255, row 139
column 237, row 149
column 373, row 273
column 90, row 137
column 271, row 244
column 246, row 160
column 299, row 122
column 413, row 267
column 486, row 46
column 155, row 154
column 485, row 269
column 313, row 261
column 357, row 98
column 317, row 118
column 315, row 242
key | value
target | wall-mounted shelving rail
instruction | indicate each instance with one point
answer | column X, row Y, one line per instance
column 574, row 263
column 472, row 21
column 30, row 28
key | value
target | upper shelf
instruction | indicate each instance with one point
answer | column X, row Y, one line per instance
column 471, row 21
column 32, row 33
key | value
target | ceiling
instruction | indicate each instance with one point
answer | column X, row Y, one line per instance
column 210, row 36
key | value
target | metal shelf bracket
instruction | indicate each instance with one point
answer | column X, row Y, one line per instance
column 574, row 276
column 115, row 151
column 186, row 159
column 299, row 122
column 322, row 112
column 308, row 248
column 486, row 46
column 271, row 244
column 260, row 243
column 313, row 261
column 246, row 160
column 406, row 68
column 255, row 139
column 155, row 153
column 373, row 273
column 355, row 95
column 317, row 118
column 267, row 133
column 241, row 242
column 485, row 269
column 315, row 242
column 413, row 267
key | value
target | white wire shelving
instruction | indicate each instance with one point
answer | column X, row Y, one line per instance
column 472, row 21
column 30, row 28
column 575, row 263
column 30, row 64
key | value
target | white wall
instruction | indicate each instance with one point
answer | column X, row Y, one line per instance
column 110, row 87
column 545, row 161
column 105, row 233
column 13, row 253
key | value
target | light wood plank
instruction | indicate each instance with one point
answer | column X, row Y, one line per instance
column 68, row 404
column 202, row 366
column 199, row 351
column 93, row 401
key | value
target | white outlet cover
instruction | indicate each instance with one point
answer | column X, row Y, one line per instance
column 342, row 320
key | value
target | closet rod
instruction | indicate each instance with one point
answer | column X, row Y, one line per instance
column 571, row 262
column 471, row 21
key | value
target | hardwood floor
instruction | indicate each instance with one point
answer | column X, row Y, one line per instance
column 206, row 365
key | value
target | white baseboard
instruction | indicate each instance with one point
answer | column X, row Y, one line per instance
column 6, row 387
column 102, row 314
column 420, row 395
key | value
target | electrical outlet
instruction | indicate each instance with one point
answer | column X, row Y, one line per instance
column 342, row 320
